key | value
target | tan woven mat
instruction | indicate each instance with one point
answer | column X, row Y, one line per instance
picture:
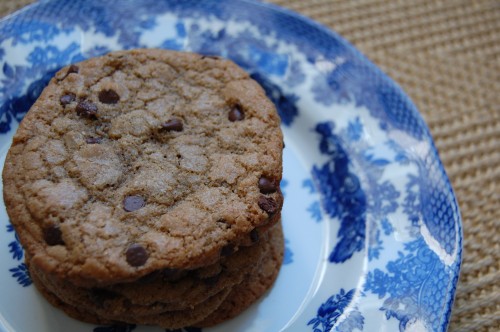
column 446, row 56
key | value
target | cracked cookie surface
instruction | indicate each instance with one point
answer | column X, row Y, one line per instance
column 143, row 160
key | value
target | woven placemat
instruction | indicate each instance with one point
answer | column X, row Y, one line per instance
column 446, row 56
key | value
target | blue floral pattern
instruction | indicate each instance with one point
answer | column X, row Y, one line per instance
column 19, row 272
column 341, row 194
column 314, row 208
column 375, row 171
column 404, row 285
column 333, row 310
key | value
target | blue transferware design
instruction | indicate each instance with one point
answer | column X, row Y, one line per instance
column 342, row 196
column 21, row 274
column 405, row 282
column 368, row 205
column 334, row 310
column 314, row 208
column 15, row 246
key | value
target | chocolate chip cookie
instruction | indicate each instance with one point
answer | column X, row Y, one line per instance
column 105, row 307
column 165, row 290
column 143, row 160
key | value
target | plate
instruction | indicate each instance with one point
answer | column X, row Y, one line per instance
column 372, row 227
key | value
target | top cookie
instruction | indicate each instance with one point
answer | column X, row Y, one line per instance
column 143, row 160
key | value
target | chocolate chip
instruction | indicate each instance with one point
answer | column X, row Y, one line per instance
column 227, row 250
column 93, row 140
column 254, row 235
column 67, row 99
column 53, row 235
column 108, row 96
column 268, row 204
column 236, row 114
column 173, row 125
column 136, row 255
column 266, row 185
column 73, row 69
column 86, row 109
column 132, row 203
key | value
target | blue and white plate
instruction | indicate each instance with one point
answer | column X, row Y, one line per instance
column 373, row 231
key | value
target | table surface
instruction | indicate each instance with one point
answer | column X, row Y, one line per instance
column 446, row 56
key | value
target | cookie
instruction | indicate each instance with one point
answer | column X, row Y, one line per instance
column 156, row 294
column 71, row 311
column 203, row 282
column 140, row 161
column 253, row 287
column 168, row 320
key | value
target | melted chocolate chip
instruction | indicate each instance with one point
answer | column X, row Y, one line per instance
column 67, row 99
column 236, row 114
column 136, row 255
column 86, row 109
column 173, row 125
column 108, row 96
column 132, row 203
column 268, row 204
column 53, row 235
column 227, row 250
column 254, row 236
column 93, row 140
column 266, row 185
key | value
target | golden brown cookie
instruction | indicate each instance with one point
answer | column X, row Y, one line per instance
column 168, row 320
column 161, row 291
column 221, row 306
column 143, row 160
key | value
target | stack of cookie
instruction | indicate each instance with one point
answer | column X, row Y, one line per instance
column 144, row 187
